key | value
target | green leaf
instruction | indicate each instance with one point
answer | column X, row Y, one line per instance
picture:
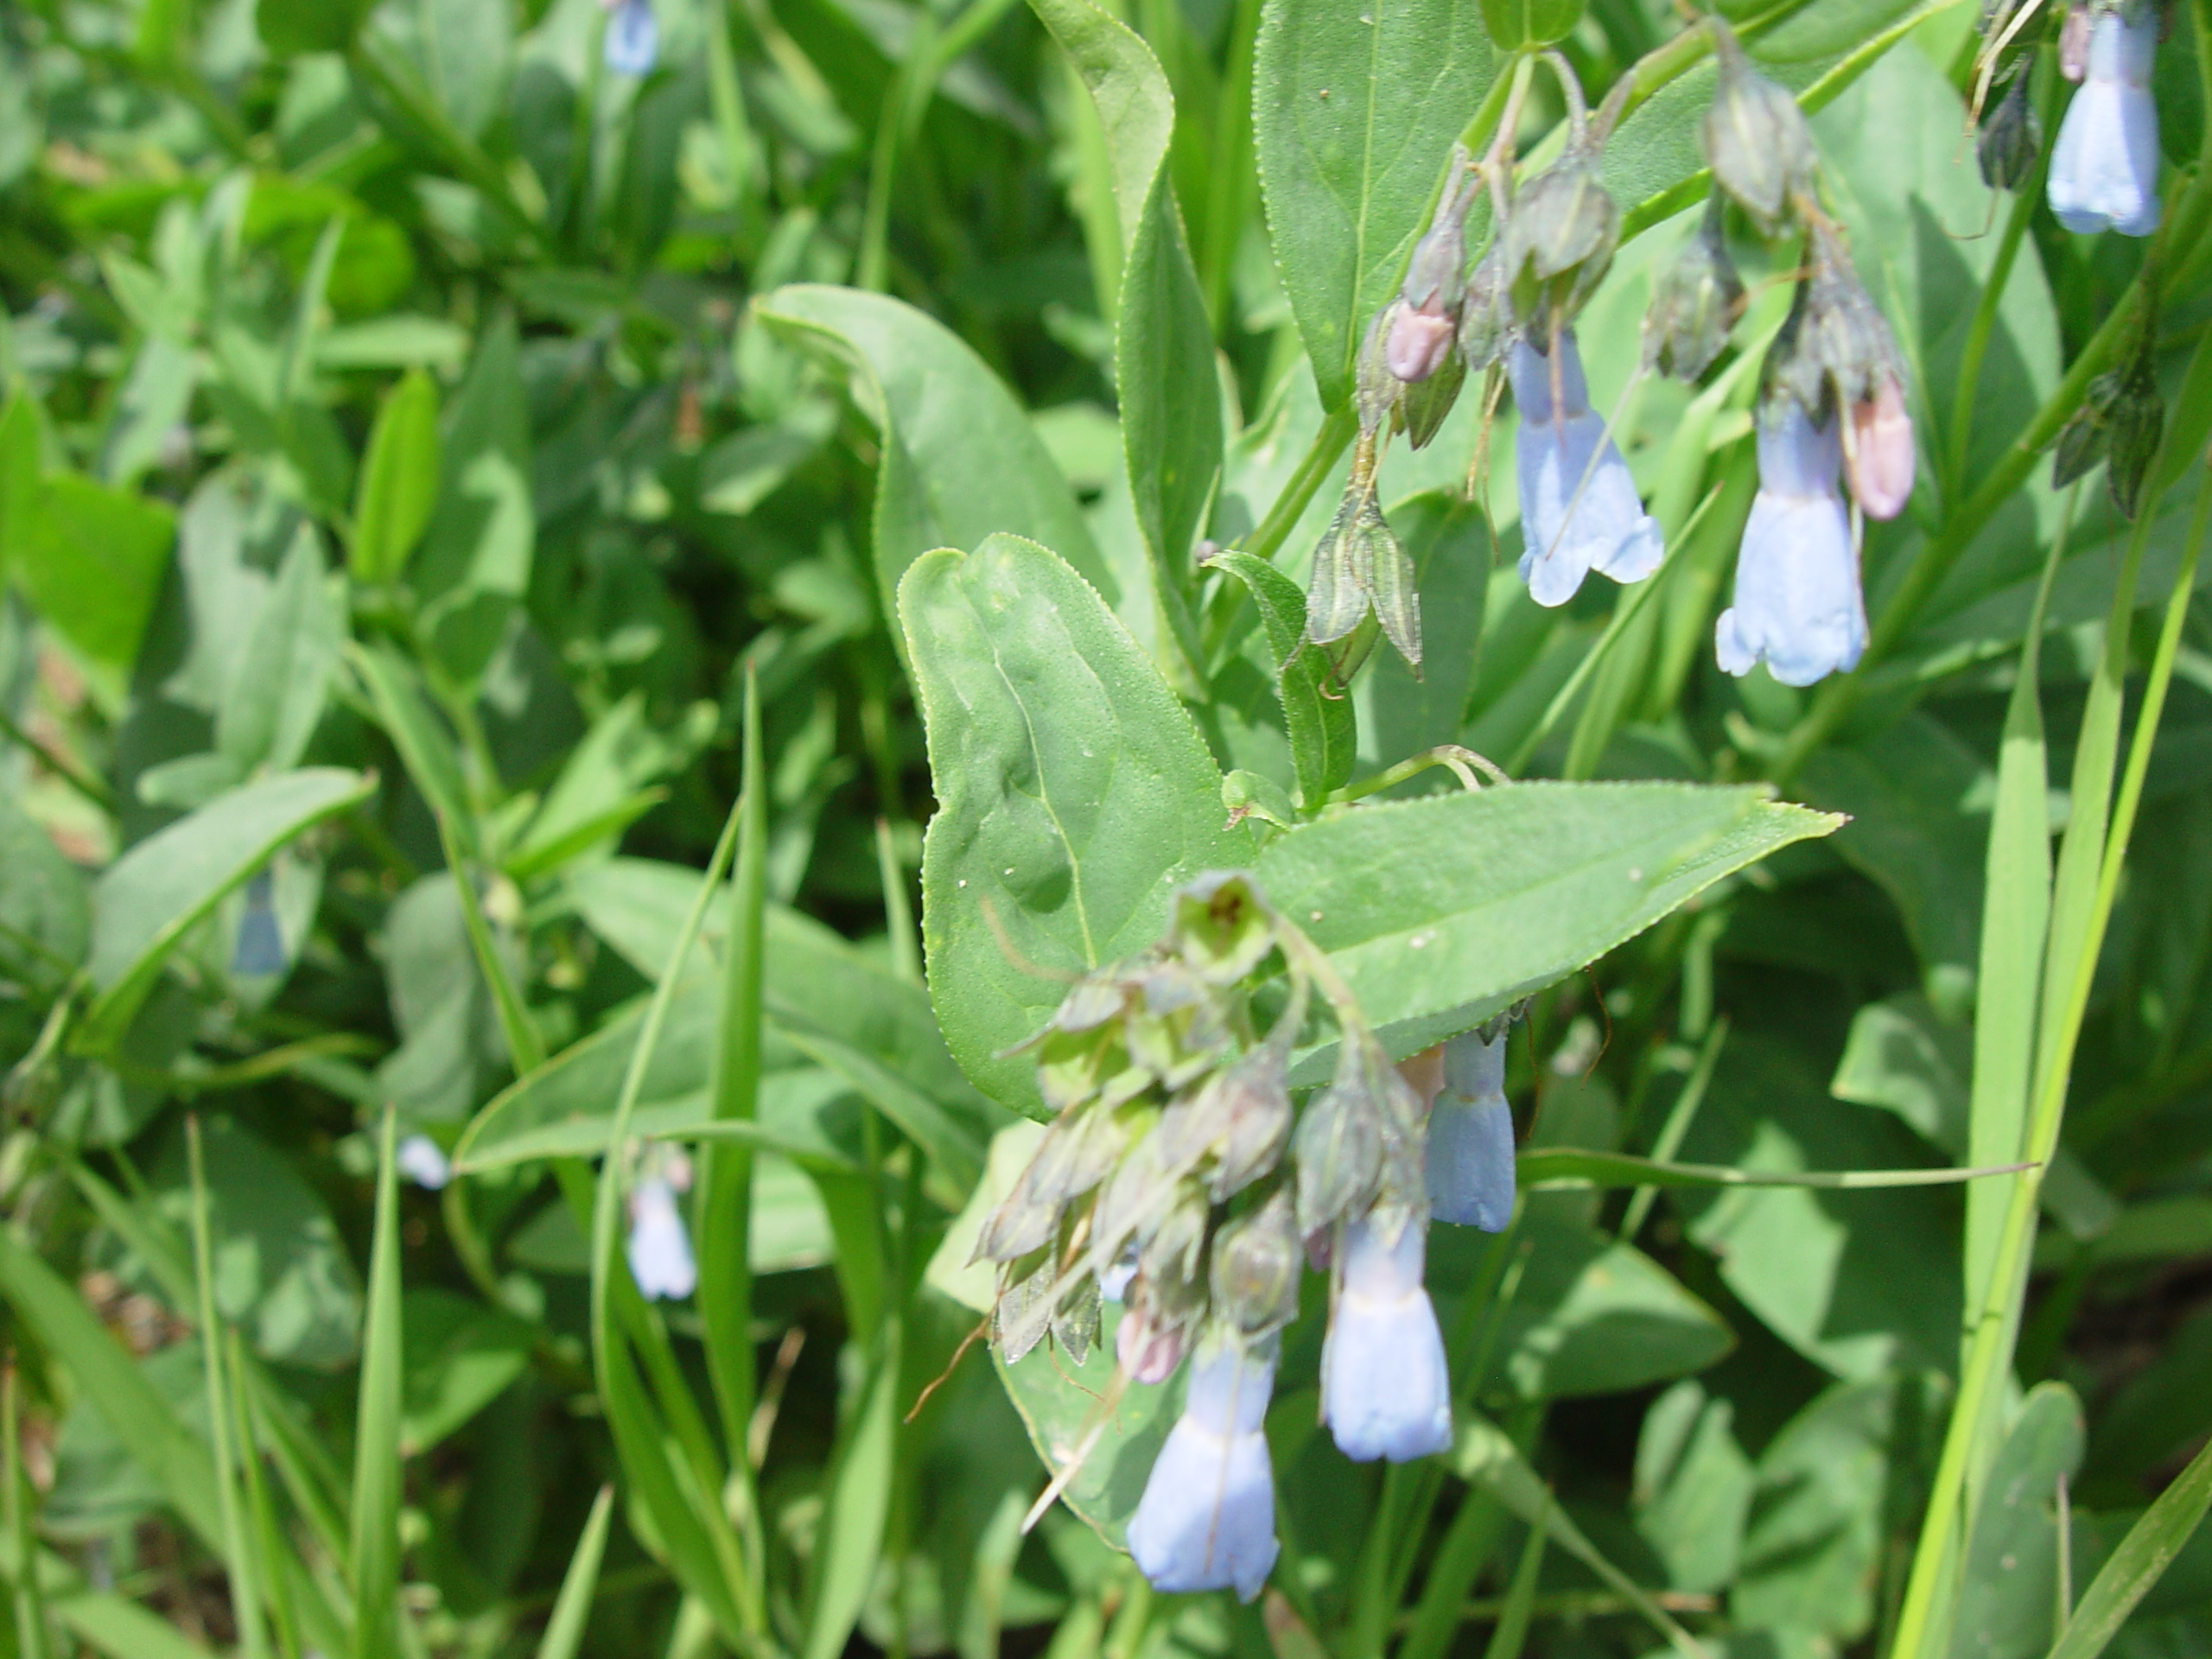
column 960, row 460
column 1065, row 1405
column 461, row 1356
column 152, row 897
column 1323, row 734
column 1163, row 351
column 474, row 562
column 425, row 746
column 275, row 696
column 2009, row 1596
column 1514, row 23
column 374, row 1532
column 46, row 915
column 399, row 480
column 288, row 27
column 564, row 1631
column 1440, row 911
column 90, row 558
column 1354, row 111
column 279, row 1269
column 1073, row 795
column 1693, row 1486
column 2149, row 1547
column 1591, row 1315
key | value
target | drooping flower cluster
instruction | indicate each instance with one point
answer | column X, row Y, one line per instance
column 1177, row 1148
column 1832, row 408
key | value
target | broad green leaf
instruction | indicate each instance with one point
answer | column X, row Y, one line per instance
column 1066, row 1406
column 105, row 1621
column 399, row 480
column 1324, row 735
column 279, row 1269
column 91, row 559
column 148, row 898
column 1515, row 23
column 426, row 747
column 276, row 696
column 2127, row 1576
column 601, row 788
column 288, row 27
column 2009, row 1594
column 1864, row 1283
column 460, row 1354
column 373, row 1534
column 1591, row 1316
column 1441, row 911
column 1819, row 1527
column 1073, row 795
column 961, row 461
column 474, row 562
column 1163, row 352
column 1821, row 29
column 1693, row 1486
column 1354, row 111
column 45, row 911
column 22, row 449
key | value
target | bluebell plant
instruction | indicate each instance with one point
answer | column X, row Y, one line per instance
column 1469, row 1164
column 2104, row 168
column 659, row 1246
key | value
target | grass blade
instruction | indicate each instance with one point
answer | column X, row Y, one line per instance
column 564, row 1631
column 374, row 1553
column 2149, row 1547
column 240, row 1557
column 1512, row 1632
column 29, row 1601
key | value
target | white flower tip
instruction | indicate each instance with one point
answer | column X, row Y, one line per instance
column 659, row 1249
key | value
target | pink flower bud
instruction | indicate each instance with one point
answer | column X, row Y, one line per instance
column 1148, row 1351
column 1419, row 342
column 1878, row 452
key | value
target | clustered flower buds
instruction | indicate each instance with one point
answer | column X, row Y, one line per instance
column 2010, row 132
column 1755, row 140
column 1695, row 302
column 1176, row 1146
column 2104, row 169
column 2120, row 421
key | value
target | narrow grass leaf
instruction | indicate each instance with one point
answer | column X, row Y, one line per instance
column 2149, row 1548
column 374, row 1551
column 564, row 1631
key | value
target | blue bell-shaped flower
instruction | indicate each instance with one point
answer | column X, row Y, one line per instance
column 1571, row 524
column 259, row 947
column 1470, row 1137
column 659, row 1248
column 632, row 37
column 2104, row 169
column 1207, row 1518
column 1384, row 1389
column 1798, row 605
column 421, row 1162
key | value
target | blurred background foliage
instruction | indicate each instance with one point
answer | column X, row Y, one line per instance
column 396, row 476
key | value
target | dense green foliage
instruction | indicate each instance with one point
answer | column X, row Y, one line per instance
column 502, row 557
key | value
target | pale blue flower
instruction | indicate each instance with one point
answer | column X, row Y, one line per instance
column 1798, row 606
column 2104, row 169
column 1607, row 529
column 659, row 1248
column 1207, row 1518
column 632, row 37
column 259, row 947
column 1384, row 1389
column 1470, row 1137
column 420, row 1161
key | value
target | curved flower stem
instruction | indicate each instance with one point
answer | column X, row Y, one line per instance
column 1463, row 763
column 1985, row 320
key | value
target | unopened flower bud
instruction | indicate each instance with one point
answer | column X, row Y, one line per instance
column 1878, row 450
column 1385, row 1392
column 1559, row 242
column 1485, row 318
column 1694, row 303
column 1255, row 1262
column 2074, row 43
column 1207, row 1518
column 1425, row 404
column 1418, row 343
column 1076, row 1321
column 1754, row 137
column 1257, row 1096
column 2138, row 420
column 2086, row 437
column 1145, row 1346
column 1223, row 928
column 1339, row 1150
column 1360, row 568
column 2010, row 138
column 1422, row 328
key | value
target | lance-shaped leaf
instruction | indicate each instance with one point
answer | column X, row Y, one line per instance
column 961, row 461
column 1441, row 912
column 1163, row 356
column 1355, row 109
